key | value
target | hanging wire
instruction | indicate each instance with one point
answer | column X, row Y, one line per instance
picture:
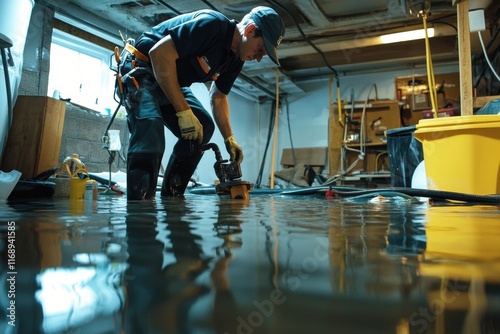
column 275, row 139
column 276, row 3
column 486, row 56
column 7, row 86
column 268, row 141
column 491, row 42
column 290, row 132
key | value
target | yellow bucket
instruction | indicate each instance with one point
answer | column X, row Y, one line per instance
column 77, row 184
column 461, row 153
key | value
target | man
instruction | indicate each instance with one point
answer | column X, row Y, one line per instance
column 156, row 74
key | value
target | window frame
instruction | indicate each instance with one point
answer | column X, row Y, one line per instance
column 80, row 45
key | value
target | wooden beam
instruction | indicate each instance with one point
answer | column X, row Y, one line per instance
column 440, row 45
column 464, row 58
column 481, row 101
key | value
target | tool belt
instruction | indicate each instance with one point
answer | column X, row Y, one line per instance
column 139, row 65
column 136, row 53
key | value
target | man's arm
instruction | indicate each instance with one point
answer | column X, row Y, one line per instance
column 163, row 56
column 220, row 111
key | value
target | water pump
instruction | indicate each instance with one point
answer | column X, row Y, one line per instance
column 229, row 175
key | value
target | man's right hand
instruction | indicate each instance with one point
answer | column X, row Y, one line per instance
column 191, row 128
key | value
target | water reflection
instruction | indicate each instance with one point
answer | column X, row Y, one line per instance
column 178, row 257
column 165, row 260
column 272, row 264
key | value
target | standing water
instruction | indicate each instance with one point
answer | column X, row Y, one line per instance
column 270, row 264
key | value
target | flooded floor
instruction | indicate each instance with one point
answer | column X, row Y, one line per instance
column 272, row 264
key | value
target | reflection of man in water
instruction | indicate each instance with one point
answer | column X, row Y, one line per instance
column 161, row 296
column 225, row 311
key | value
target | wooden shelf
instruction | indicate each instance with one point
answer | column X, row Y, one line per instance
column 380, row 116
column 355, row 145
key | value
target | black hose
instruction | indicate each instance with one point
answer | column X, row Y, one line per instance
column 215, row 148
column 290, row 133
column 269, row 135
column 304, row 36
column 7, row 85
column 485, row 67
column 113, row 117
column 101, row 180
column 435, row 194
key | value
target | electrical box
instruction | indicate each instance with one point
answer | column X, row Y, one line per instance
column 476, row 20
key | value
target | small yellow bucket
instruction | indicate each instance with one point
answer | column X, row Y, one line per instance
column 77, row 184
column 461, row 153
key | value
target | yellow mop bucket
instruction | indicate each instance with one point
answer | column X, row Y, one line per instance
column 461, row 153
column 77, row 184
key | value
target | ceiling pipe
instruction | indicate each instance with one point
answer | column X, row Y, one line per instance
column 355, row 43
column 256, row 84
column 324, row 75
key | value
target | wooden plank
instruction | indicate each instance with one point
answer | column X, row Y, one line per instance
column 445, row 45
column 51, row 135
column 464, row 57
column 314, row 156
column 21, row 150
column 481, row 101
column 335, row 136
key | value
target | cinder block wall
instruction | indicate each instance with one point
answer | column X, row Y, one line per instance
column 82, row 133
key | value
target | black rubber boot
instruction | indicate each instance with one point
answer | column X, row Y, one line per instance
column 142, row 175
column 177, row 175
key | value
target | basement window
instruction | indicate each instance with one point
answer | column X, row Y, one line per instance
column 79, row 72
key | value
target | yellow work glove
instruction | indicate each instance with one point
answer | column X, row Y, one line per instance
column 191, row 128
column 235, row 151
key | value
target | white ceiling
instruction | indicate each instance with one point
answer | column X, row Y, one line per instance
column 346, row 33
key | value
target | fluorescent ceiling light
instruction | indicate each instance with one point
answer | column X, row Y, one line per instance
column 406, row 36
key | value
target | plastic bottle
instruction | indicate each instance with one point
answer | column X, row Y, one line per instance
column 70, row 166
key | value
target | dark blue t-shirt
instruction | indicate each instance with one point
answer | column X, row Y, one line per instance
column 203, row 41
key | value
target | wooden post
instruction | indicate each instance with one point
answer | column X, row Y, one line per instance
column 464, row 57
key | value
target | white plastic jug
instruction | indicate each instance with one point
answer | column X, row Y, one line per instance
column 7, row 182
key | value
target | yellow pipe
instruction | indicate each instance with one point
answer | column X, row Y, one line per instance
column 430, row 70
column 339, row 106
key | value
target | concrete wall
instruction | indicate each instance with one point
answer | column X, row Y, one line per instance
column 36, row 66
column 15, row 18
column 82, row 133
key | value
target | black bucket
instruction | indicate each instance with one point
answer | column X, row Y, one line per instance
column 405, row 153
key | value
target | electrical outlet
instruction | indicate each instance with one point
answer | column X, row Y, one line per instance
column 476, row 20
